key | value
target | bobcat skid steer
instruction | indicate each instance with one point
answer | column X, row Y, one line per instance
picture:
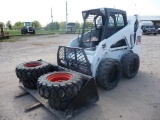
column 105, row 51
column 111, row 47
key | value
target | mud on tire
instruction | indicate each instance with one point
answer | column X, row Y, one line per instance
column 59, row 85
column 29, row 72
column 108, row 73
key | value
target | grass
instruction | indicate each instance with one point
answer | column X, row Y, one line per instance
column 18, row 32
column 8, row 40
column 14, row 38
column 11, row 39
column 13, row 32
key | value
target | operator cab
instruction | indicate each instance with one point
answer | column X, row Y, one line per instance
column 100, row 24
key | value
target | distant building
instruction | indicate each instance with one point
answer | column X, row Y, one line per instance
column 150, row 19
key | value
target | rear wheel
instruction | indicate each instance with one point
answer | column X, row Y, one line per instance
column 108, row 73
column 23, row 31
column 130, row 65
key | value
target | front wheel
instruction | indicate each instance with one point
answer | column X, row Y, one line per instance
column 108, row 73
column 130, row 65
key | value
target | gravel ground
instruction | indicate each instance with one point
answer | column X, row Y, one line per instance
column 135, row 99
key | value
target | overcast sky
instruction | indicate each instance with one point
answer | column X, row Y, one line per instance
column 30, row 10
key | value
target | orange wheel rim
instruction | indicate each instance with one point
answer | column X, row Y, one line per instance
column 59, row 77
column 32, row 64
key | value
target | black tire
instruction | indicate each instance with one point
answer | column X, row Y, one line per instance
column 24, row 32
column 146, row 33
column 33, row 32
column 53, row 68
column 108, row 73
column 59, row 90
column 130, row 65
column 29, row 72
column 155, row 33
column 60, row 105
column 28, row 83
column 21, row 31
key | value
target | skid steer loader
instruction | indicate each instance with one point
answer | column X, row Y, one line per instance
column 110, row 48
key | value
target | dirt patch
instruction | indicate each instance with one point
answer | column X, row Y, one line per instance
column 43, row 44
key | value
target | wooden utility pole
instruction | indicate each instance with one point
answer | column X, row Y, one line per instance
column 66, row 16
column 52, row 18
column 1, row 29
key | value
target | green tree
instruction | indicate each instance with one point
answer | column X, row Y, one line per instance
column 56, row 26
column 2, row 24
column 77, row 25
column 8, row 24
column 62, row 25
column 89, row 25
column 81, row 24
column 52, row 26
column 36, row 24
column 18, row 25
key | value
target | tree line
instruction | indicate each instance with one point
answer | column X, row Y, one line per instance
column 18, row 25
column 37, row 25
